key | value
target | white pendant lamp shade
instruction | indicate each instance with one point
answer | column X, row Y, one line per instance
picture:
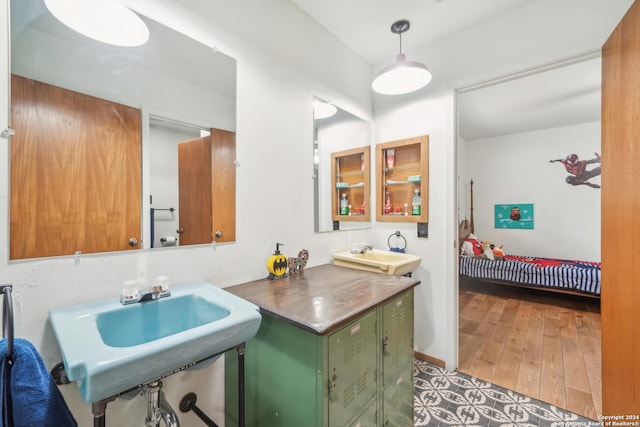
column 107, row 21
column 402, row 76
column 323, row 110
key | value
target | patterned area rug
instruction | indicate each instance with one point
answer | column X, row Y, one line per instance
column 446, row 398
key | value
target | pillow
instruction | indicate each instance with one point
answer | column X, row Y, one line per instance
column 472, row 246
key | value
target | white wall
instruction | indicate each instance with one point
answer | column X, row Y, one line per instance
column 436, row 332
column 515, row 169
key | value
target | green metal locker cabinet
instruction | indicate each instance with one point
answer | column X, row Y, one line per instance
column 397, row 361
column 294, row 377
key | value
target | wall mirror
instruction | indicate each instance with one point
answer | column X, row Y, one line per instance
column 341, row 132
column 173, row 83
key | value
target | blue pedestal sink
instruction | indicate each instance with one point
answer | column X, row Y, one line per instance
column 109, row 348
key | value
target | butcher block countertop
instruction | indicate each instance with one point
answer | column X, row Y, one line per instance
column 322, row 298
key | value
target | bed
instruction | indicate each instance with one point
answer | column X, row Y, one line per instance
column 559, row 275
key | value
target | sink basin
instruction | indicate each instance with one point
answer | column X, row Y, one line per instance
column 378, row 261
column 109, row 348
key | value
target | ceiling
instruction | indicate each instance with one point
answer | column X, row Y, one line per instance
column 562, row 96
column 365, row 25
column 465, row 42
column 543, row 53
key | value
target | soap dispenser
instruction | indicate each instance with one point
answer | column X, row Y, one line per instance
column 277, row 264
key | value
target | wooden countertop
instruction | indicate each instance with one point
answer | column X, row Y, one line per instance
column 322, row 298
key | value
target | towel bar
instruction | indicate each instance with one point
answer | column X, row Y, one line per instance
column 7, row 318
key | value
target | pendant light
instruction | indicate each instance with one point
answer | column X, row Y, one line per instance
column 107, row 21
column 402, row 76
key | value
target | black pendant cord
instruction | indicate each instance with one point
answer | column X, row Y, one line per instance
column 400, row 27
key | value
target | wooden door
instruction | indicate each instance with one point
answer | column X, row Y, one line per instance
column 620, row 220
column 195, row 191
column 75, row 172
column 223, row 157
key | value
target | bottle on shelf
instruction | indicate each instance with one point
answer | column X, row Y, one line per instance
column 344, row 205
column 391, row 158
column 416, row 203
column 387, row 205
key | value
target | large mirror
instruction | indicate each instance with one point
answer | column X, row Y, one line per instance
column 179, row 90
column 333, row 132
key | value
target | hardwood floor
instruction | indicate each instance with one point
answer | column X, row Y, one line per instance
column 542, row 344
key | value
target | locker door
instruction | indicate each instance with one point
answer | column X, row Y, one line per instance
column 397, row 335
column 352, row 368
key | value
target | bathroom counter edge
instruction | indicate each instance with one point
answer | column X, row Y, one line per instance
column 324, row 297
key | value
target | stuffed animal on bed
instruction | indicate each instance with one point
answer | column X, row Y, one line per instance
column 492, row 251
column 497, row 251
column 474, row 247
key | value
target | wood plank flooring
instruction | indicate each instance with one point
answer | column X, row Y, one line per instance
column 542, row 344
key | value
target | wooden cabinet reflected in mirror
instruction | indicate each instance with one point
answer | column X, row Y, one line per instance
column 350, row 182
column 59, row 209
column 75, row 176
column 75, row 173
column 341, row 141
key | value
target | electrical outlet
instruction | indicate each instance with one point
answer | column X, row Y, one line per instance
column 423, row 229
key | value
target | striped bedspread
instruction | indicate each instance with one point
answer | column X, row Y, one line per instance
column 579, row 276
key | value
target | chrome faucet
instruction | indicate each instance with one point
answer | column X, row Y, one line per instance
column 361, row 249
column 131, row 294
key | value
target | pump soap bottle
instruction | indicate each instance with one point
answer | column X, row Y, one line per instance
column 277, row 264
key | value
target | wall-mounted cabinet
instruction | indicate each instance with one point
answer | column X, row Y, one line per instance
column 402, row 180
column 350, row 185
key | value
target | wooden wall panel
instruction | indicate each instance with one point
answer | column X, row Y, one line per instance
column 620, row 219
column 75, row 172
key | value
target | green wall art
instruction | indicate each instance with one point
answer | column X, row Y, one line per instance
column 517, row 216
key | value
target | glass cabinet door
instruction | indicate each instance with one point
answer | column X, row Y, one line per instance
column 350, row 185
column 402, row 169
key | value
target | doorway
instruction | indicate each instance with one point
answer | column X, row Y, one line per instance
column 542, row 345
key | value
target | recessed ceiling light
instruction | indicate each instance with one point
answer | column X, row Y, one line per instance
column 107, row 21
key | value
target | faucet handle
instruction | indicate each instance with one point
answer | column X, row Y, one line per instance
column 162, row 282
column 162, row 286
column 130, row 291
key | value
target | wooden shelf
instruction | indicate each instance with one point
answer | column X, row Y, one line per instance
column 409, row 172
column 350, row 176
